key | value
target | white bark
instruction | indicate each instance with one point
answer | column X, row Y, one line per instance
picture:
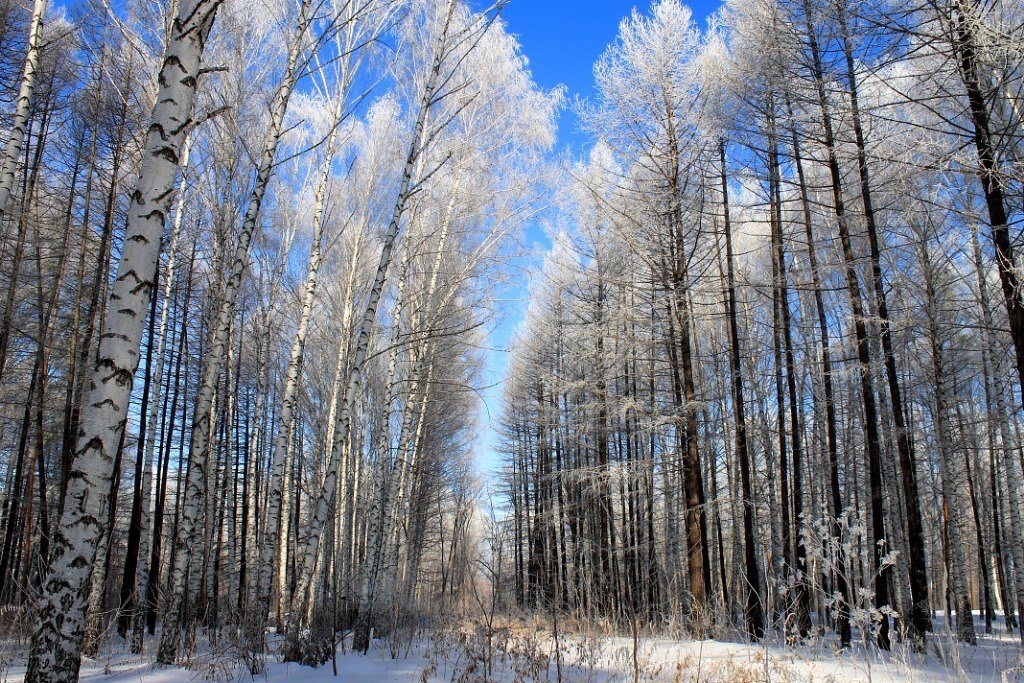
column 156, row 386
column 374, row 578
column 343, row 347
column 56, row 647
column 351, row 444
column 95, row 600
column 324, row 505
column 289, row 392
column 23, row 108
column 415, row 411
column 407, row 490
column 199, row 448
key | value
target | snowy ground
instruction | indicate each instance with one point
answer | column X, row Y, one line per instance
column 522, row 657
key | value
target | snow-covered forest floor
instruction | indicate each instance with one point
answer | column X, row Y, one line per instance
column 351, row 314
column 517, row 654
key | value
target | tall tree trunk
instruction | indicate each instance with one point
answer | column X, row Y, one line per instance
column 94, row 614
column 272, row 526
column 309, row 541
column 988, row 171
column 23, row 108
column 135, row 516
column 134, row 583
column 754, row 605
column 177, row 614
column 920, row 613
column 56, row 645
column 880, row 571
column 840, row 571
column 800, row 606
column 30, row 182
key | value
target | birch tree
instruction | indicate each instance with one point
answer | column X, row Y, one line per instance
column 176, row 616
column 16, row 136
column 56, row 644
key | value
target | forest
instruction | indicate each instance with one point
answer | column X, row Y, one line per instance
column 322, row 356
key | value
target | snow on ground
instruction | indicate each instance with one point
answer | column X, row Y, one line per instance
column 524, row 657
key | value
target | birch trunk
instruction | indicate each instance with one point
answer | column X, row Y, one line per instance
column 309, row 545
column 397, row 484
column 407, row 481
column 374, row 577
column 196, row 483
column 134, row 605
column 350, row 444
column 9, row 164
column 56, row 646
column 272, row 525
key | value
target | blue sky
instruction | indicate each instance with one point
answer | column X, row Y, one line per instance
column 562, row 39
